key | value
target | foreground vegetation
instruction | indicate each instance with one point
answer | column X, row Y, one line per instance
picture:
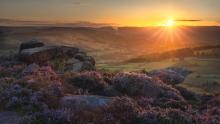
column 204, row 79
column 41, row 95
column 63, row 87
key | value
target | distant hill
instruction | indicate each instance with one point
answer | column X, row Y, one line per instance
column 207, row 51
column 110, row 43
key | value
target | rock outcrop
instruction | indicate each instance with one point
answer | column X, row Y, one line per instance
column 63, row 58
column 171, row 75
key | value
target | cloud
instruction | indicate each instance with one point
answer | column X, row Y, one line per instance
column 75, row 2
column 72, row 2
column 188, row 20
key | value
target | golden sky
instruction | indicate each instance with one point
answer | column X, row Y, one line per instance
column 115, row 12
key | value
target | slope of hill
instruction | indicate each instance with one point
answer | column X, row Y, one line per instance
column 107, row 43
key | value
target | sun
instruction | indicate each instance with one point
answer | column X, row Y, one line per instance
column 170, row 23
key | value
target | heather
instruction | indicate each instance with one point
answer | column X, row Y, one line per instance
column 72, row 91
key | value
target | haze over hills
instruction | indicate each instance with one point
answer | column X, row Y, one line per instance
column 113, row 43
column 15, row 22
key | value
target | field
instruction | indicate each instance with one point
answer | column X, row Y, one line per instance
column 127, row 67
column 204, row 79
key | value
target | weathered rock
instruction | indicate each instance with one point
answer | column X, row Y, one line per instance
column 30, row 44
column 9, row 118
column 65, row 51
column 80, row 102
column 46, row 53
column 73, row 64
column 76, row 65
column 87, row 65
column 91, row 60
column 63, row 58
column 80, row 56
column 38, row 55
column 170, row 75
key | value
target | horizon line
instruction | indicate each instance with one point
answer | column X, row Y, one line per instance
column 7, row 22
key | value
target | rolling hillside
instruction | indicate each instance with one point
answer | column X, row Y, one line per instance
column 113, row 43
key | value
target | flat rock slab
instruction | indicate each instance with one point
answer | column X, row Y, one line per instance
column 80, row 102
column 38, row 55
column 46, row 53
column 9, row 118
column 62, row 58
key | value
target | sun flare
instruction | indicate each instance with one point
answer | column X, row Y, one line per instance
column 169, row 23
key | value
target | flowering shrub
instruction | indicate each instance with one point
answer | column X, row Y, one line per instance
column 52, row 95
column 5, row 83
column 13, row 71
column 167, row 116
column 108, row 77
column 149, row 117
column 49, row 117
column 123, row 110
column 145, row 102
column 130, row 83
column 40, row 79
column 91, row 81
column 170, row 103
column 37, row 92
column 134, row 84
column 175, row 116
column 18, row 98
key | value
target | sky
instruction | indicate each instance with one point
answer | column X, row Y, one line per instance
column 115, row 12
